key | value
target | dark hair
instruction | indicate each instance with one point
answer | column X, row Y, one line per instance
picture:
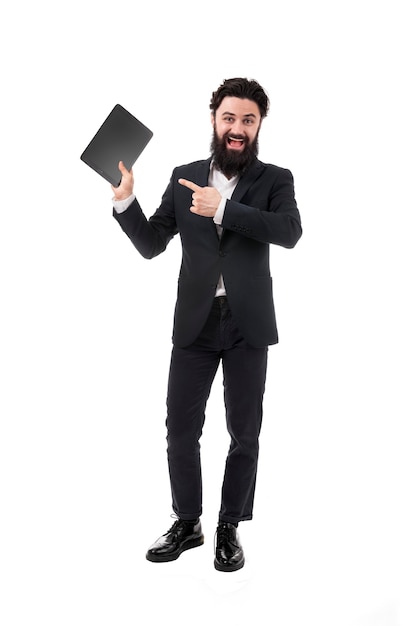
column 241, row 88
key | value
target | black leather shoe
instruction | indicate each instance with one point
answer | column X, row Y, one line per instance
column 229, row 552
column 181, row 536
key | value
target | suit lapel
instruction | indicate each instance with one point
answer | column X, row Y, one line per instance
column 200, row 177
column 202, row 173
column 246, row 180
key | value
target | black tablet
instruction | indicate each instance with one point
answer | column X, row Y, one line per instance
column 121, row 137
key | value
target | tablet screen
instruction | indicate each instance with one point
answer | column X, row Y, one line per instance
column 121, row 137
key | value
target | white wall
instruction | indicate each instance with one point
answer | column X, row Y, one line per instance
column 86, row 322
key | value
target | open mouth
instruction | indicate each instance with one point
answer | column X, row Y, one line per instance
column 236, row 143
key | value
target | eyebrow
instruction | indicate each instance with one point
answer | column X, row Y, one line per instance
column 234, row 114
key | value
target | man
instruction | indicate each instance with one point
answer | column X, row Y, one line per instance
column 227, row 210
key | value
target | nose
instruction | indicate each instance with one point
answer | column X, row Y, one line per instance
column 238, row 127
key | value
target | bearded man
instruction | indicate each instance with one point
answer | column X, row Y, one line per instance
column 228, row 209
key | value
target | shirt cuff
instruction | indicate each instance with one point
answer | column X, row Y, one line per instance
column 121, row 205
column 218, row 216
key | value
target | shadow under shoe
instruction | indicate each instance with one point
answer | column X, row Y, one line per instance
column 229, row 552
column 182, row 536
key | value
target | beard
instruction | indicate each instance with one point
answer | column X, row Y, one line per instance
column 233, row 162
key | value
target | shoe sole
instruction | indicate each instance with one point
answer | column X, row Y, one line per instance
column 228, row 568
column 165, row 558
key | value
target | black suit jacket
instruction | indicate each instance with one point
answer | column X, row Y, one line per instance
column 262, row 211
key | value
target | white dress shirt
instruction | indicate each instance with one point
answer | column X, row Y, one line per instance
column 225, row 187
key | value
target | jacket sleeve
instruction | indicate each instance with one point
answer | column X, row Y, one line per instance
column 150, row 236
column 277, row 222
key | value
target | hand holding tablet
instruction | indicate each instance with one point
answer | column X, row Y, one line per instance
column 125, row 188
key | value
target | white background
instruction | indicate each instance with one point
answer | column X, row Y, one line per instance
column 86, row 322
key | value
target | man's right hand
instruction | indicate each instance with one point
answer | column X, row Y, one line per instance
column 125, row 189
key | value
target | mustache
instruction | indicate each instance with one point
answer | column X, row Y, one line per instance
column 235, row 136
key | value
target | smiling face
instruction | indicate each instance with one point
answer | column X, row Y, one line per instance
column 236, row 125
column 237, row 119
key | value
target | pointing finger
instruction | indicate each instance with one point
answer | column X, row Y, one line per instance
column 189, row 184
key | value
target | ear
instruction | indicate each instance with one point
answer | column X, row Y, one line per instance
column 212, row 119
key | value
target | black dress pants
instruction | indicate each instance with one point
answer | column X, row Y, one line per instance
column 192, row 372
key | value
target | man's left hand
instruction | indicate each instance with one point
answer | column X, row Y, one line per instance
column 205, row 199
